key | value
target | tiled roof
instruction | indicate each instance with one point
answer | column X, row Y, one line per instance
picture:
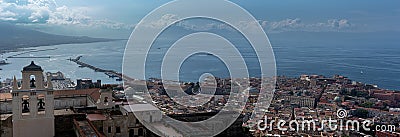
column 94, row 93
column 95, row 117
column 4, row 96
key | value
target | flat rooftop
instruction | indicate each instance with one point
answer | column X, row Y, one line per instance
column 139, row 107
column 63, row 112
column 95, row 117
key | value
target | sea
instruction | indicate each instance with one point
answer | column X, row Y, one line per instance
column 368, row 57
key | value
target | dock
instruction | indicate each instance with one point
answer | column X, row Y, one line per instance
column 109, row 73
column 31, row 51
column 29, row 57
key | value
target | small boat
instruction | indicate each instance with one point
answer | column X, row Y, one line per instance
column 3, row 62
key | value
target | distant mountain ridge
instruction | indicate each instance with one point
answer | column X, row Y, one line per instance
column 13, row 37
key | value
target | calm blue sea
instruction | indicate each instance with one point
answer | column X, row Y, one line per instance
column 376, row 55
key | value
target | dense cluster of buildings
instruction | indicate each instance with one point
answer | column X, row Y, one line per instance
column 316, row 98
column 87, row 108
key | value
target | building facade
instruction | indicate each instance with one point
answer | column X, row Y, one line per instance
column 32, row 104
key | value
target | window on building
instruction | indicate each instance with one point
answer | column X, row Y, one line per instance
column 141, row 132
column 118, row 129
column 105, row 99
column 109, row 129
column 131, row 132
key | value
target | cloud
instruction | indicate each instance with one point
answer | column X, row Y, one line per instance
column 284, row 25
column 338, row 25
column 47, row 12
column 19, row 12
column 332, row 25
column 67, row 16
column 343, row 23
column 296, row 24
column 163, row 21
column 7, row 15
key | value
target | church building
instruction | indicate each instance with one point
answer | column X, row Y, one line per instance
column 32, row 104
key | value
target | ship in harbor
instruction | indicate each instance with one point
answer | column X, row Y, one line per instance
column 3, row 62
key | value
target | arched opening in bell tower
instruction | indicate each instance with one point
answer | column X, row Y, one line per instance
column 32, row 82
column 41, row 102
column 25, row 104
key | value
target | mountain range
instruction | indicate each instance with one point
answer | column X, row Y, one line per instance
column 13, row 37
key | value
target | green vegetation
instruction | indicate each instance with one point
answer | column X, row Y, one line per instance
column 367, row 104
column 361, row 113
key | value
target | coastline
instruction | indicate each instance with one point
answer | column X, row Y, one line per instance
column 26, row 48
column 367, row 77
column 113, row 73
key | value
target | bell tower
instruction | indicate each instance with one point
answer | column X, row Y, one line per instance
column 33, row 104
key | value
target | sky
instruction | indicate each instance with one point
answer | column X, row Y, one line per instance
column 116, row 19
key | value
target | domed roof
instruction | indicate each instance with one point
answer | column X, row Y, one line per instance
column 32, row 67
column 337, row 99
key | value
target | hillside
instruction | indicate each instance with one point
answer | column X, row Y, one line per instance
column 13, row 37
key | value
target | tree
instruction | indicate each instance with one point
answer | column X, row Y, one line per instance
column 367, row 104
column 361, row 113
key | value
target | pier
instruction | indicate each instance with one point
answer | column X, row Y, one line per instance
column 29, row 57
column 109, row 73
column 31, row 51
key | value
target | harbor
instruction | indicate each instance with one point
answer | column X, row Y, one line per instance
column 30, row 57
column 31, row 51
column 109, row 73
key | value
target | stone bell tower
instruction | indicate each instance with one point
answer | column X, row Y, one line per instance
column 33, row 104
